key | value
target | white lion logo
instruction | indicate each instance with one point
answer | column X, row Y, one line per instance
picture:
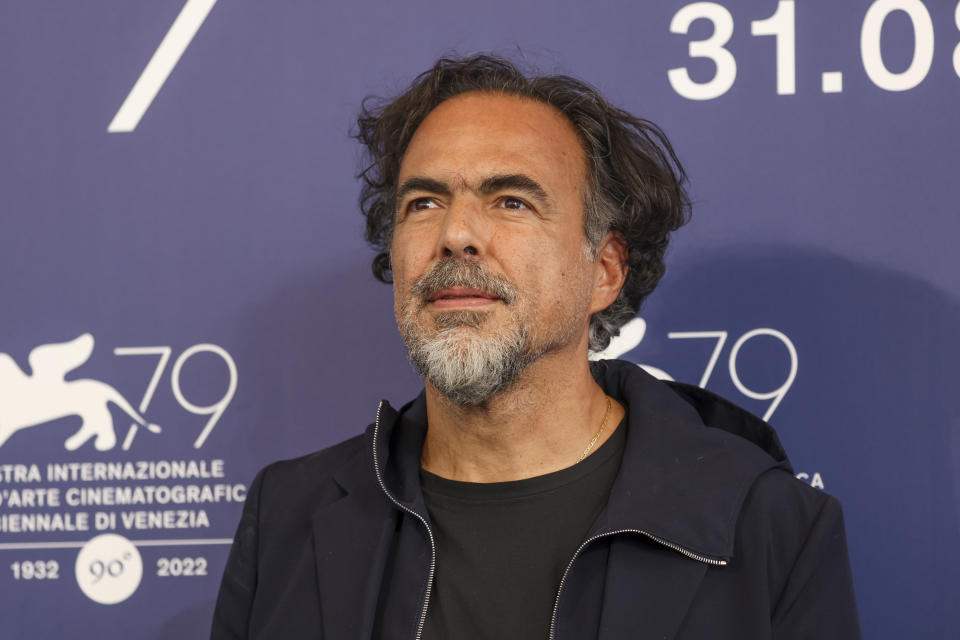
column 27, row 401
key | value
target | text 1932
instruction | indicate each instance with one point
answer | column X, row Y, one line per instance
column 36, row 570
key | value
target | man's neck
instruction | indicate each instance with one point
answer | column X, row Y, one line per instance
column 542, row 423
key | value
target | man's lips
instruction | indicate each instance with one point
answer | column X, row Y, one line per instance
column 461, row 297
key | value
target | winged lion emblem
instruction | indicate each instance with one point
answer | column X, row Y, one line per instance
column 31, row 400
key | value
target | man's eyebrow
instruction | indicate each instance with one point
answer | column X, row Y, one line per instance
column 514, row 181
column 418, row 183
column 499, row 182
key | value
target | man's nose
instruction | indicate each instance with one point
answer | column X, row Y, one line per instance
column 465, row 230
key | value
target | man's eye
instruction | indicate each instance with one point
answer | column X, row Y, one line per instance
column 419, row 204
column 514, row 203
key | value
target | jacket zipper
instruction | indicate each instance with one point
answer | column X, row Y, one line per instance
column 433, row 546
column 690, row 554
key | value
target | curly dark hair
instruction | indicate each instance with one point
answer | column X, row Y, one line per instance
column 635, row 181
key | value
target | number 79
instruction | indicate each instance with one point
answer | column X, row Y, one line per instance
column 214, row 410
column 776, row 395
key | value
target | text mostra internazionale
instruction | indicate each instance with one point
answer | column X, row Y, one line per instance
column 113, row 471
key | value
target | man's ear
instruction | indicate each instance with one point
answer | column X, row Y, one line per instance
column 611, row 271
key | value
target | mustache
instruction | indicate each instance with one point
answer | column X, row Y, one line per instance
column 453, row 272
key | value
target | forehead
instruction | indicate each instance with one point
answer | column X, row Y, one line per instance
column 475, row 135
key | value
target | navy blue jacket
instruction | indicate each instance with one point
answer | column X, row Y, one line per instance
column 706, row 534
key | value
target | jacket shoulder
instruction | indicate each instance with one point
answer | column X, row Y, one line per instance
column 312, row 478
column 798, row 533
column 779, row 498
column 789, row 520
column 273, row 557
column 323, row 461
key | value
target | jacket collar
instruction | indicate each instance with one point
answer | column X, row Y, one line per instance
column 690, row 458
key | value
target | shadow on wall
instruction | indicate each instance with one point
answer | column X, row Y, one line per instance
column 873, row 407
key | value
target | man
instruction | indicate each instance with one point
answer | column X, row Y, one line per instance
column 526, row 493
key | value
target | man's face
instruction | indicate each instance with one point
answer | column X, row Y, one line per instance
column 490, row 262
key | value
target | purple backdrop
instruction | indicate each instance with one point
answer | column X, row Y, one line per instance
column 180, row 243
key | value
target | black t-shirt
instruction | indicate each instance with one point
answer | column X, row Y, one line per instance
column 502, row 547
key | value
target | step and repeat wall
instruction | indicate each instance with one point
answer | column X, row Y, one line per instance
column 186, row 296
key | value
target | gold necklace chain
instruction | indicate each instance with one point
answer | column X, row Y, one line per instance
column 603, row 423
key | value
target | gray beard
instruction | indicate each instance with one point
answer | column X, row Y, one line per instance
column 464, row 364
column 467, row 368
